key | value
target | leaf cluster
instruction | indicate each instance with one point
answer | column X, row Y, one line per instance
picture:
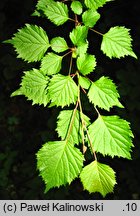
column 60, row 162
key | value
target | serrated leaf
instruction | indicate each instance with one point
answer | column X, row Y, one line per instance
column 84, row 82
column 76, row 7
column 18, row 92
column 98, row 177
column 79, row 35
column 36, row 13
column 103, row 93
column 30, row 42
column 41, row 6
column 58, row 44
column 95, row 4
column 112, row 136
column 57, row 12
column 86, row 63
column 82, row 48
column 116, row 43
column 63, row 124
column 51, row 64
column 90, row 18
column 63, row 90
column 59, row 163
column 34, row 87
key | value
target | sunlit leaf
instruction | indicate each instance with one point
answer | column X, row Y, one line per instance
column 98, row 177
column 59, row 163
column 111, row 135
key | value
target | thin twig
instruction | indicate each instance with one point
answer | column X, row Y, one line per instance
column 71, row 123
column 91, row 144
column 97, row 110
column 84, row 124
column 96, row 31
column 67, row 54
column 70, row 67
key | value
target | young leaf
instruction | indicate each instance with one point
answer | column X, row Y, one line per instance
column 63, row 90
column 59, row 163
column 98, row 177
column 112, row 136
column 84, row 82
column 63, row 124
column 90, row 17
column 30, row 42
column 51, row 64
column 57, row 12
column 79, row 35
column 103, row 93
column 76, row 7
column 95, row 4
column 34, row 87
column 117, row 43
column 58, row 44
column 86, row 63
column 82, row 48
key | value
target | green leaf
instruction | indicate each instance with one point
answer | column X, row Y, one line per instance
column 90, row 18
column 59, row 44
column 98, row 177
column 18, row 92
column 117, row 43
column 79, row 35
column 95, row 4
column 112, row 136
column 59, row 163
column 63, row 124
column 51, row 64
column 76, row 7
column 41, row 6
column 30, row 42
column 84, row 82
column 86, row 63
column 57, row 12
column 82, row 48
column 34, row 87
column 103, row 93
column 63, row 90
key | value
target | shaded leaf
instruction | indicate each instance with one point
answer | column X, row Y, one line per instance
column 34, row 87
column 63, row 124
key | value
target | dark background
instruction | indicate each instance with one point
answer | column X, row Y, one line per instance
column 24, row 128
